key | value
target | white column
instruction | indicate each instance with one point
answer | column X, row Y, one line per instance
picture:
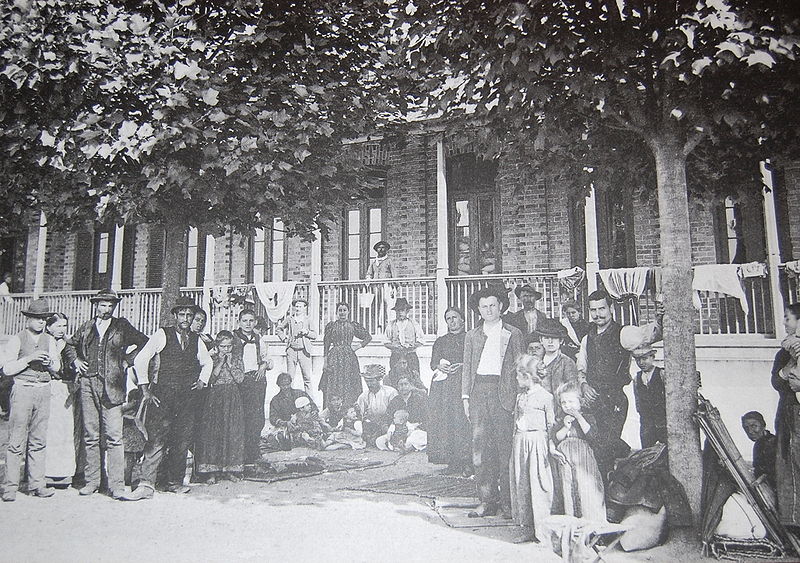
column 773, row 250
column 316, row 277
column 41, row 253
column 592, row 250
column 442, row 244
column 208, row 273
column 116, row 258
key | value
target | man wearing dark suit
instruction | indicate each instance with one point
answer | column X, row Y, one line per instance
column 98, row 352
column 527, row 319
column 488, row 391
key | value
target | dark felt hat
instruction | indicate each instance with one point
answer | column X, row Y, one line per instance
column 381, row 243
column 38, row 308
column 106, row 295
column 551, row 328
column 529, row 288
column 183, row 302
column 401, row 304
column 496, row 290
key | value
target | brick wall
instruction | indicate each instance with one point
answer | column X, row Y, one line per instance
column 431, row 214
column 792, row 184
column 222, row 261
column 30, row 258
column 57, row 276
column 558, row 227
column 238, row 259
column 140, row 255
column 701, row 226
column 332, row 251
column 298, row 259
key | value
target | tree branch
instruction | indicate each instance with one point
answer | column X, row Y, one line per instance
column 691, row 143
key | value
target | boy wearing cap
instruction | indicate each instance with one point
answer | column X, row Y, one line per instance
column 32, row 358
column 98, row 352
column 381, row 267
column 650, row 397
column 403, row 336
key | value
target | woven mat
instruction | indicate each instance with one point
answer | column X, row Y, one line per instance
column 305, row 467
column 423, row 485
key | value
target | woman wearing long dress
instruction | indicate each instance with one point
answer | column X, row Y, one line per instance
column 449, row 434
column 60, row 459
column 341, row 374
column 787, row 431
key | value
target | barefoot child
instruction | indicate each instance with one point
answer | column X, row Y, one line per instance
column 348, row 433
column 306, row 428
column 529, row 470
column 397, row 436
column 580, row 476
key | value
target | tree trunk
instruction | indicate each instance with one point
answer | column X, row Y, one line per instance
column 685, row 460
column 174, row 262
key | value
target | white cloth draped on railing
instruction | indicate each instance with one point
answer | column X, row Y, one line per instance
column 276, row 297
column 571, row 278
column 625, row 282
column 719, row 278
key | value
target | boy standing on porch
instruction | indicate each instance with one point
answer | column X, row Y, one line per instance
column 296, row 331
column 31, row 358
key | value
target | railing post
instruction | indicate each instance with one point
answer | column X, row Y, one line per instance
column 116, row 259
column 592, row 250
column 773, row 250
column 41, row 254
column 443, row 247
column 208, row 274
column 314, row 309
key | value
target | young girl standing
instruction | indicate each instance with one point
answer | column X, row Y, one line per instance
column 584, row 496
column 529, row 471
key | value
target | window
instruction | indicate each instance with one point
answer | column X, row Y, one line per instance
column 363, row 228
column 615, row 239
column 191, row 257
column 267, row 254
column 94, row 253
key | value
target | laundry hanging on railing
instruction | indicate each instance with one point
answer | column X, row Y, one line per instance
column 720, row 278
column 621, row 283
column 276, row 297
column 571, row 278
column 793, row 268
column 753, row 270
column 389, row 299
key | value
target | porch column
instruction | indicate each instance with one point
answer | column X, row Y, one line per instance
column 773, row 250
column 442, row 244
column 592, row 251
column 116, row 258
column 316, row 277
column 41, row 253
column 208, row 274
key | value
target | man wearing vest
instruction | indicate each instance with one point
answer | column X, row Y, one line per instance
column 184, row 366
column 253, row 351
column 31, row 358
column 489, row 390
column 99, row 352
column 296, row 331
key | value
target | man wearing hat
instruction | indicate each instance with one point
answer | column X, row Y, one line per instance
column 529, row 317
column 373, row 403
column 184, row 366
column 650, row 397
column 488, row 390
column 296, row 331
column 31, row 357
column 381, row 267
column 403, row 336
column 99, row 353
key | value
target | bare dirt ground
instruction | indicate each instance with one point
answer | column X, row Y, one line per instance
column 307, row 519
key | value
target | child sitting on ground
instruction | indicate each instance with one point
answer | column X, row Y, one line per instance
column 306, row 428
column 334, row 413
column 530, row 472
column 133, row 439
column 396, row 437
column 348, row 433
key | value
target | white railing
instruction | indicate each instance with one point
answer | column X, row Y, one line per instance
column 459, row 289
column 790, row 288
column 370, row 301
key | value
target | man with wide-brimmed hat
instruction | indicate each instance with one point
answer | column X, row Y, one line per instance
column 31, row 357
column 529, row 317
column 184, row 366
column 381, row 267
column 488, row 390
column 99, row 351
column 403, row 336
column 374, row 402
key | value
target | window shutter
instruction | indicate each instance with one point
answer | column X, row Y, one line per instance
column 128, row 256
column 155, row 256
column 84, row 261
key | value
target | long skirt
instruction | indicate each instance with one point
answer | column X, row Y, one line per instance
column 531, row 481
column 342, row 375
column 787, row 471
column 220, row 446
column 584, row 495
column 60, row 461
column 449, row 434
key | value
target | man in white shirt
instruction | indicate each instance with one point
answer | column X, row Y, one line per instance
column 488, row 391
column 373, row 403
column 381, row 267
column 403, row 336
column 184, row 366
column 5, row 288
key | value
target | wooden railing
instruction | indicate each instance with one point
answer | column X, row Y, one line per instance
column 790, row 288
column 370, row 302
column 459, row 289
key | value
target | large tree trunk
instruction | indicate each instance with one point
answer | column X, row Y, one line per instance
column 685, row 459
column 174, row 262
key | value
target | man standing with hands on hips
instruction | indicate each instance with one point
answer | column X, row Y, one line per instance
column 185, row 365
column 98, row 353
column 489, row 390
